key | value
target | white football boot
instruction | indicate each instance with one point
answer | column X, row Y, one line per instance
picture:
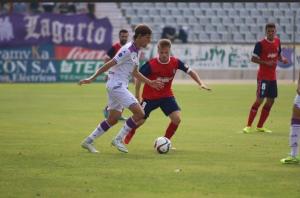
column 89, row 147
column 118, row 143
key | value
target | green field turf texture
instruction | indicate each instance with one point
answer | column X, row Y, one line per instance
column 42, row 125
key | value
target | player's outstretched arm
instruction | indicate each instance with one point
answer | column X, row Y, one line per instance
column 156, row 84
column 197, row 79
column 99, row 71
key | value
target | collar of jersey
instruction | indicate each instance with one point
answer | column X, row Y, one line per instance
column 270, row 41
column 162, row 62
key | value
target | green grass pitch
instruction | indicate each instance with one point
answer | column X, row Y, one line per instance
column 42, row 126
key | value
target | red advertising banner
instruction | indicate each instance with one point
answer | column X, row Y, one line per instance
column 77, row 53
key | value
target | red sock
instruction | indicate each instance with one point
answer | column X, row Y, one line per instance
column 171, row 130
column 264, row 115
column 129, row 136
column 252, row 113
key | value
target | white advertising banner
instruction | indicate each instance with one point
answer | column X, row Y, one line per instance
column 221, row 56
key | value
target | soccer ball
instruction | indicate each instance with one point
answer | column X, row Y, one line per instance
column 162, row 145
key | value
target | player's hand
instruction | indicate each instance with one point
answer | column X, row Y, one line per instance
column 284, row 60
column 84, row 81
column 270, row 63
column 203, row 86
column 156, row 84
column 139, row 99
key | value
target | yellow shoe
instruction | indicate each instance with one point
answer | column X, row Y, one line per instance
column 263, row 130
column 247, row 129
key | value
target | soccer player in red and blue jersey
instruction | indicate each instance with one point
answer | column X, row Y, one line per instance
column 266, row 53
column 163, row 68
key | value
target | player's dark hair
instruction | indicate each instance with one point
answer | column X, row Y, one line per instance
column 142, row 30
column 164, row 43
column 123, row 31
column 270, row 25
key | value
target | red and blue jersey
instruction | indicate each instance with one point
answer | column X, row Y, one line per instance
column 113, row 50
column 154, row 69
column 267, row 50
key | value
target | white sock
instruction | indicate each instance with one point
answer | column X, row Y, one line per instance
column 99, row 130
column 123, row 131
column 294, row 136
column 128, row 125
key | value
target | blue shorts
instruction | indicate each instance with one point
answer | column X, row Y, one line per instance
column 167, row 105
column 266, row 89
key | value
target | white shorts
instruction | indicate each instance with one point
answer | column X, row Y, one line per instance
column 119, row 97
column 297, row 101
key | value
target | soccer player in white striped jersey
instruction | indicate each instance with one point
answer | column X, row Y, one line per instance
column 294, row 131
column 120, row 68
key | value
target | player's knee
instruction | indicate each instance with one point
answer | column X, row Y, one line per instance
column 139, row 115
column 112, row 121
column 176, row 120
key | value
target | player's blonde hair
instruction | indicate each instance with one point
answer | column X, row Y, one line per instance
column 164, row 43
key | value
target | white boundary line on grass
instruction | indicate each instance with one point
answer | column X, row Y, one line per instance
column 207, row 81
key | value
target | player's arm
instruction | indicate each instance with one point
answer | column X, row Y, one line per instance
column 156, row 84
column 185, row 68
column 99, row 71
column 138, row 85
column 145, row 69
column 280, row 57
column 256, row 56
column 197, row 79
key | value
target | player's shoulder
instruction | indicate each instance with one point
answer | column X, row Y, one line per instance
column 117, row 45
column 277, row 39
column 175, row 60
column 261, row 41
column 126, row 49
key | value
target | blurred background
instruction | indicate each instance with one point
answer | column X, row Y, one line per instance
column 67, row 41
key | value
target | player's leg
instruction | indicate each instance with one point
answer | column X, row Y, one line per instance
column 171, row 109
column 173, row 125
column 148, row 106
column 105, row 112
column 294, row 134
column 129, row 124
column 127, row 99
column 271, row 94
column 260, row 94
column 264, row 115
column 115, row 110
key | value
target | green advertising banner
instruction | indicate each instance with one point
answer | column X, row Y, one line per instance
column 74, row 70
column 48, row 70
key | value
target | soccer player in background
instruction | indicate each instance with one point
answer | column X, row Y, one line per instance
column 266, row 53
column 162, row 68
column 123, row 38
column 294, row 131
column 121, row 67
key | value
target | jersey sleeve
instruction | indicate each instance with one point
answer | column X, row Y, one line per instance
column 257, row 50
column 145, row 69
column 183, row 67
column 122, row 55
column 279, row 49
column 111, row 52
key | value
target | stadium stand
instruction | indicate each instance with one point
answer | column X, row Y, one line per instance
column 243, row 22
column 240, row 22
